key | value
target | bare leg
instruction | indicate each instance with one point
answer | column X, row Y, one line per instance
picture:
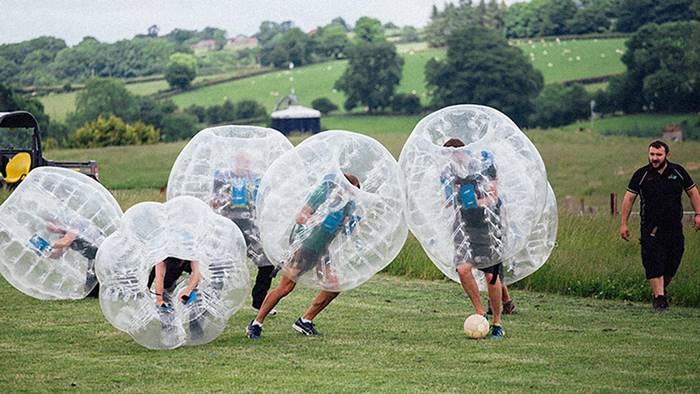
column 657, row 285
column 505, row 295
column 667, row 281
column 470, row 286
column 495, row 297
column 285, row 287
column 320, row 302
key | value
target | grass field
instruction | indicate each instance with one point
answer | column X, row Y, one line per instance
column 389, row 335
column 590, row 259
column 589, row 58
column 646, row 123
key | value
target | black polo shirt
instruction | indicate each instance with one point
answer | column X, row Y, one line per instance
column 660, row 195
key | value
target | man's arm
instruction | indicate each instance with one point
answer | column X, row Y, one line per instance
column 627, row 203
column 491, row 197
column 159, row 281
column 695, row 202
column 193, row 281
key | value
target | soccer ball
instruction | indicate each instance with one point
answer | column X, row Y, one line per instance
column 476, row 326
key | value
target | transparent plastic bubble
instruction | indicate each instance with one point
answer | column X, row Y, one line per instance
column 50, row 229
column 223, row 166
column 539, row 244
column 473, row 200
column 324, row 231
column 183, row 228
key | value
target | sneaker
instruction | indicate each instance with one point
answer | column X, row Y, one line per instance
column 508, row 307
column 305, row 328
column 497, row 332
column 660, row 303
column 273, row 312
column 253, row 331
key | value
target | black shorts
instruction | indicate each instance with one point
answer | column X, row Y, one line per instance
column 661, row 256
column 306, row 259
column 474, row 244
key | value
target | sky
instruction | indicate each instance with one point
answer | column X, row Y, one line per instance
column 110, row 21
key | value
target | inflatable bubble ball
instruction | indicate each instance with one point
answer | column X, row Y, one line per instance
column 50, row 230
column 476, row 187
column 172, row 274
column 223, row 166
column 331, row 210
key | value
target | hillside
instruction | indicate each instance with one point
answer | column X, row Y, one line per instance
column 558, row 61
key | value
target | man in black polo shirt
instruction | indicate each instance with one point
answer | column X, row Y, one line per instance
column 660, row 186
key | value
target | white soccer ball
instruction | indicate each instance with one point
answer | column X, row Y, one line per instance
column 476, row 326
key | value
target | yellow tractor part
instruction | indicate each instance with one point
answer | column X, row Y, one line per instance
column 18, row 167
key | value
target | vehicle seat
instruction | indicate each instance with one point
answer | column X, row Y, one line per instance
column 18, row 167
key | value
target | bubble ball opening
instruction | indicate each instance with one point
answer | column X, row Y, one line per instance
column 183, row 228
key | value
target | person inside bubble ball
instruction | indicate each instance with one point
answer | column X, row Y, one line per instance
column 72, row 235
column 235, row 192
column 327, row 212
column 469, row 183
column 165, row 275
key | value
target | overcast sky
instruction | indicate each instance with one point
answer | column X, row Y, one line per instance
column 112, row 20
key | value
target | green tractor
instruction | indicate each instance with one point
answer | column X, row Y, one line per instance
column 20, row 150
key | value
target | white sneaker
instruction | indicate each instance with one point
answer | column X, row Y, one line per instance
column 273, row 312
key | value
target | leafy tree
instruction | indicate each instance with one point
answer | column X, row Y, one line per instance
column 323, row 105
column 181, row 71
column 406, row 103
column 331, row 41
column 369, row 30
column 373, row 71
column 269, row 30
column 152, row 111
column 11, row 101
column 482, row 68
column 249, row 109
column 103, row 97
column 198, row 111
column 341, row 22
column 292, row 46
column 178, row 126
column 558, row 105
column 632, row 14
column 113, row 131
column 662, row 65
column 588, row 20
column 409, row 34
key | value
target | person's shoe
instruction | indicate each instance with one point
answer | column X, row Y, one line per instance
column 273, row 312
column 497, row 332
column 660, row 303
column 508, row 307
column 305, row 328
column 253, row 331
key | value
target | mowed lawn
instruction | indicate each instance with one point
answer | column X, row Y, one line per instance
column 389, row 335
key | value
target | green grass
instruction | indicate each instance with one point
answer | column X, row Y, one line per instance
column 650, row 123
column 389, row 335
column 317, row 80
column 576, row 59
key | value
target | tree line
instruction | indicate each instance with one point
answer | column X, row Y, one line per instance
column 538, row 18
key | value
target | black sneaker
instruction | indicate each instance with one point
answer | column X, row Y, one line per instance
column 305, row 328
column 253, row 331
column 508, row 307
column 660, row 303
